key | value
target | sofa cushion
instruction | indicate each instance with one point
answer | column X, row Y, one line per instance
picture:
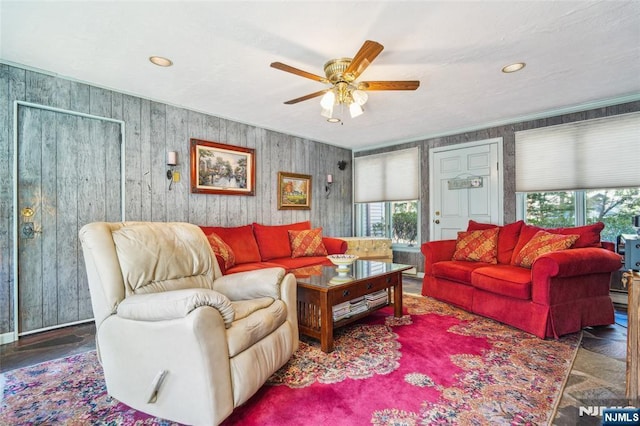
column 244, row 308
column 455, row 270
column 240, row 239
column 506, row 280
column 224, row 254
column 335, row 245
column 526, row 233
column 589, row 234
column 507, row 237
column 251, row 266
column 541, row 243
column 273, row 240
column 307, row 242
column 147, row 255
column 290, row 263
column 308, row 271
column 254, row 327
column 477, row 246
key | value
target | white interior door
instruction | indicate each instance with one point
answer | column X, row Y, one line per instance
column 465, row 183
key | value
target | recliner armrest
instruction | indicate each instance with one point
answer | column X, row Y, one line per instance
column 168, row 305
column 251, row 284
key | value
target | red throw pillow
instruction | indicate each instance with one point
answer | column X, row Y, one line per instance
column 307, row 243
column 589, row 234
column 273, row 240
column 507, row 237
column 241, row 241
column 477, row 246
column 541, row 243
column 225, row 256
column 526, row 234
column 479, row 226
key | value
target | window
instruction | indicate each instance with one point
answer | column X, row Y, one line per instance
column 397, row 220
column 386, row 192
column 551, row 209
column 580, row 173
column 590, row 154
column 614, row 207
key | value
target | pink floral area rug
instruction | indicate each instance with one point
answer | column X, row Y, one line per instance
column 436, row 365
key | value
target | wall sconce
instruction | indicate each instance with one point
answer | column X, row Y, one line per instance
column 172, row 162
column 327, row 186
column 342, row 165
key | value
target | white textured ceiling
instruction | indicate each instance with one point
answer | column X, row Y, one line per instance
column 578, row 54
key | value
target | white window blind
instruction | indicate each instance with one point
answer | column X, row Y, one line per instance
column 591, row 154
column 391, row 176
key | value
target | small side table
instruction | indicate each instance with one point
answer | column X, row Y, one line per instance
column 631, row 280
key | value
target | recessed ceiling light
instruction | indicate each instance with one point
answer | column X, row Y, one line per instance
column 333, row 120
column 160, row 61
column 513, row 67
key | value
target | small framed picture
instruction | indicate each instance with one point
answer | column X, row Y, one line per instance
column 217, row 168
column 294, row 191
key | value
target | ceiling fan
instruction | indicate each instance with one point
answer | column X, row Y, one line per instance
column 341, row 74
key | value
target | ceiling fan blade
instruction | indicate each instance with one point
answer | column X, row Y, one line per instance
column 367, row 53
column 309, row 96
column 284, row 67
column 389, row 85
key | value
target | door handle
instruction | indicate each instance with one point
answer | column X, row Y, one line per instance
column 437, row 221
column 28, row 230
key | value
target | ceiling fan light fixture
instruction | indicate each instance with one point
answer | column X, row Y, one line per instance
column 355, row 110
column 327, row 112
column 344, row 91
column 360, row 97
column 328, row 100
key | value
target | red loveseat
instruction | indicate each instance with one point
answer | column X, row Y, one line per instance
column 259, row 246
column 562, row 292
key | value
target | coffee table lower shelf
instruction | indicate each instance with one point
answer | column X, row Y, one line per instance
column 315, row 313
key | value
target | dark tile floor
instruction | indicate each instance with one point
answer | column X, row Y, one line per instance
column 597, row 377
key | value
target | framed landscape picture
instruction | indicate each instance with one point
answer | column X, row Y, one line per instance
column 217, row 168
column 294, row 191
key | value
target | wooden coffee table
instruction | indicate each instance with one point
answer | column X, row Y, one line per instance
column 320, row 289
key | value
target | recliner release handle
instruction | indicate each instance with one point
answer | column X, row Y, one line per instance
column 155, row 386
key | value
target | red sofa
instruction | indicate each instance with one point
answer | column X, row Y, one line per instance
column 258, row 246
column 562, row 292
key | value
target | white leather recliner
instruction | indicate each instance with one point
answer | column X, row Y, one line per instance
column 175, row 337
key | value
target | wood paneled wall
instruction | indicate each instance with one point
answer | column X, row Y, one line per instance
column 152, row 129
column 507, row 133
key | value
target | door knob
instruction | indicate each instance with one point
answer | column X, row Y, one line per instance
column 437, row 221
column 28, row 230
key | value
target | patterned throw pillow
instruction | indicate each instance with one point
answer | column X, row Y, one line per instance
column 222, row 251
column 477, row 246
column 541, row 243
column 307, row 243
